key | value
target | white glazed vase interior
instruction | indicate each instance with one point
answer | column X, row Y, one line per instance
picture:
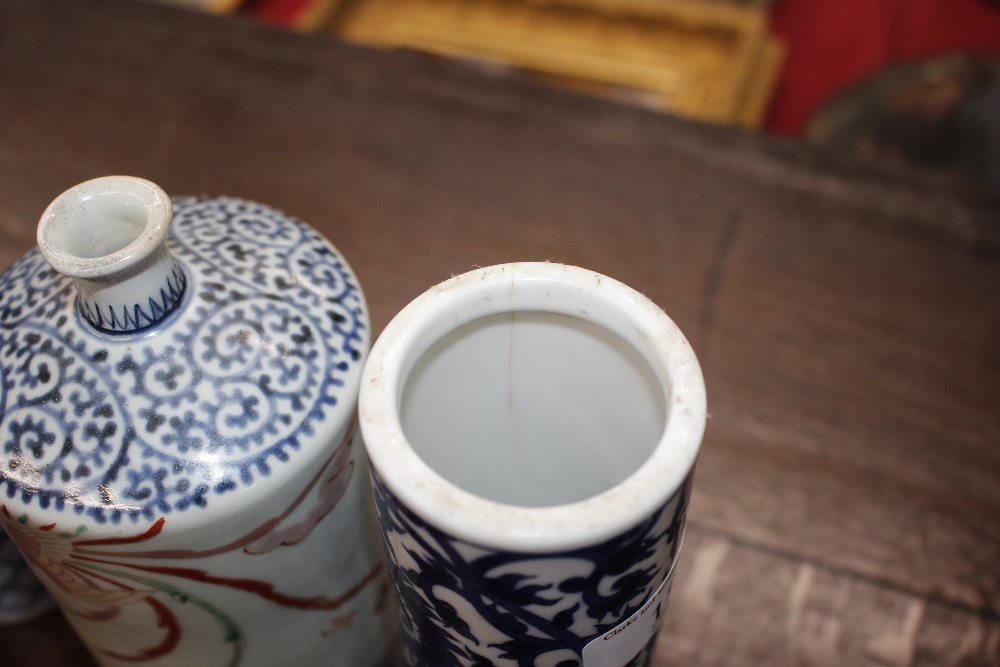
column 532, row 407
column 101, row 224
column 520, row 408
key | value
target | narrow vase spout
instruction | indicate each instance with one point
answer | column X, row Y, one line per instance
column 108, row 235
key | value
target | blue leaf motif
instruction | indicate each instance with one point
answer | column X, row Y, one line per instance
column 509, row 593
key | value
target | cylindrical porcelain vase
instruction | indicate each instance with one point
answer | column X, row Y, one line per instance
column 532, row 431
column 179, row 462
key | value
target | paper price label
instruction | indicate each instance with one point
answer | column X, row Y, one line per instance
column 618, row 646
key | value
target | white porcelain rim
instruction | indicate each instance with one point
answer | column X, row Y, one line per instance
column 546, row 287
column 160, row 214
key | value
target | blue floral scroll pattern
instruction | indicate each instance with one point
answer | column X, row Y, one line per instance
column 232, row 383
column 462, row 604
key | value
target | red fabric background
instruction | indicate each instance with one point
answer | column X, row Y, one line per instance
column 833, row 43
column 282, row 12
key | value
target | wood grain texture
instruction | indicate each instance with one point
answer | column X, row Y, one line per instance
column 733, row 604
column 847, row 504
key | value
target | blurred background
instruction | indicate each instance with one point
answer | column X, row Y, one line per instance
column 912, row 81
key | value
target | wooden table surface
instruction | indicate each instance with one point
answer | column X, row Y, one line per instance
column 847, row 502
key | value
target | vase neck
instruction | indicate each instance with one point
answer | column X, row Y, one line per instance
column 108, row 235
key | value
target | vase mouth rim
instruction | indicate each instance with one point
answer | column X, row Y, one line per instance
column 540, row 287
column 104, row 227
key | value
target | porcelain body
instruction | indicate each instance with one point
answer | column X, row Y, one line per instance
column 179, row 461
column 532, row 431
